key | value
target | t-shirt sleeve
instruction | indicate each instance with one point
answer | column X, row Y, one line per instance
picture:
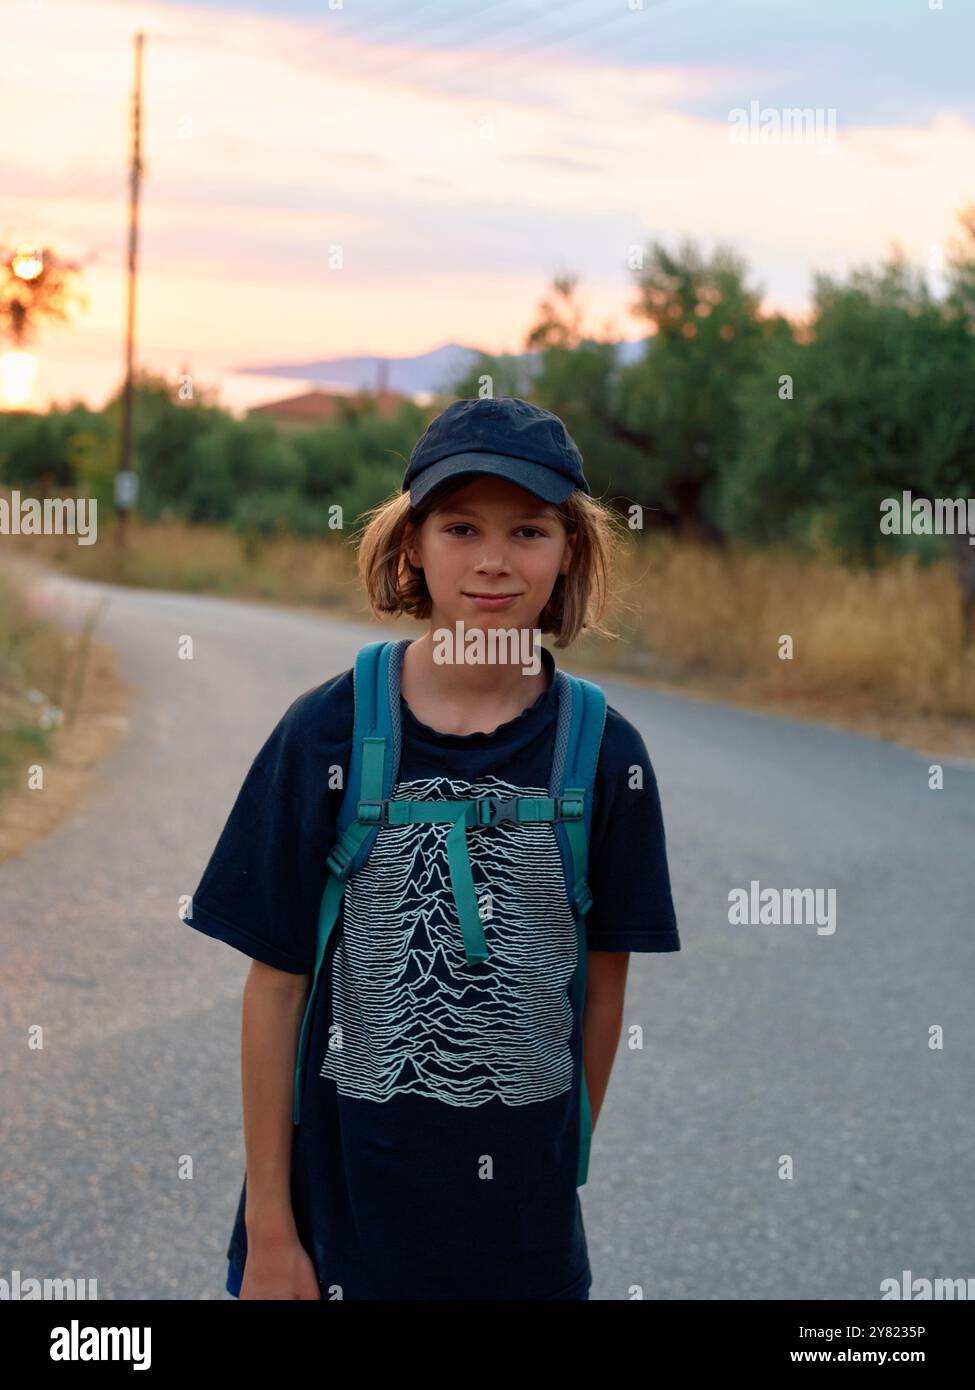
column 629, row 879
column 261, row 890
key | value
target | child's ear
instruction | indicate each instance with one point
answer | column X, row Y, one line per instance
column 570, row 541
column 409, row 547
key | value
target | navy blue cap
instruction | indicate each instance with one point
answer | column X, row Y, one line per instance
column 508, row 437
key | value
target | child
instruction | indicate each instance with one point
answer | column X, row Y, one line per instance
column 437, row 1155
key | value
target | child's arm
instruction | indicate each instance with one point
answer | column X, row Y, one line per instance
column 602, row 1021
column 277, row 1266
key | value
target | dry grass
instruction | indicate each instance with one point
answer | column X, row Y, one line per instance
column 878, row 651
column 204, row 559
column 62, row 709
column 33, row 661
column 894, row 635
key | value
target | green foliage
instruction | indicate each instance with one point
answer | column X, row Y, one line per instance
column 353, row 466
column 198, row 463
column 699, row 429
column 683, row 397
column 882, row 402
column 46, row 455
column 491, row 375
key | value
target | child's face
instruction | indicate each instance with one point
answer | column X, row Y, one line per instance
column 491, row 537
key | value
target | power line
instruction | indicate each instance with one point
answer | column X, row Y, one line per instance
column 202, row 101
column 536, row 49
column 384, row 69
column 334, row 35
column 532, row 50
column 381, row 68
column 410, row 10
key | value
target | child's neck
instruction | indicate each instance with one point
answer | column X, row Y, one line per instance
column 456, row 698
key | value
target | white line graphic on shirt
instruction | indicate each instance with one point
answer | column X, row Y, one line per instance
column 415, row 1018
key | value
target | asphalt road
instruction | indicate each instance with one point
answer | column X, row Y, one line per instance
column 758, row 1041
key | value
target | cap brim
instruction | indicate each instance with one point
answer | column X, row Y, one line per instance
column 535, row 478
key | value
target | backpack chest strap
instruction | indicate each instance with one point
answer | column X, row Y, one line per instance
column 475, row 813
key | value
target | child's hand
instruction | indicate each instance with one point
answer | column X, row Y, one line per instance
column 279, row 1271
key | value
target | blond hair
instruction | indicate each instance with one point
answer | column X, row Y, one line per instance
column 579, row 598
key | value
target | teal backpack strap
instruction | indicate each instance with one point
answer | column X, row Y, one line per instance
column 366, row 805
column 578, row 738
column 372, row 771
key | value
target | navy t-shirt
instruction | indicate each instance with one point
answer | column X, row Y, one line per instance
column 437, row 1151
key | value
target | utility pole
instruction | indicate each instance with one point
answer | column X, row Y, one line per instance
column 126, row 479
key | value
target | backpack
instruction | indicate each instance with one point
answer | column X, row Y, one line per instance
column 366, row 805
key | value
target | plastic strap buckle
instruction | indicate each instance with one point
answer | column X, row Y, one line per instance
column 569, row 808
column 489, row 810
column 375, row 812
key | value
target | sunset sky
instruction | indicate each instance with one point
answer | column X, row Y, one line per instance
column 460, row 155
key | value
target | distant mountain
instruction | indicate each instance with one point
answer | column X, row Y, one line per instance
column 429, row 371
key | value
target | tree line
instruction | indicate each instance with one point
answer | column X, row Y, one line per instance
column 727, row 424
